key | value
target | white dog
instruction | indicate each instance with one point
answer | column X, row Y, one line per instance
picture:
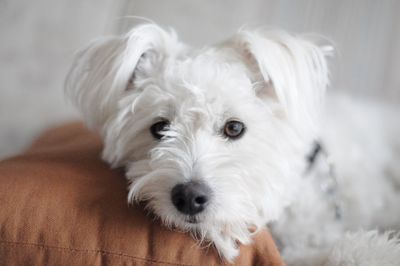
column 224, row 140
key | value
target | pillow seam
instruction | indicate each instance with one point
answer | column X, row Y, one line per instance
column 100, row 251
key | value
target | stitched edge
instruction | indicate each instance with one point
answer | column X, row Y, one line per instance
column 102, row 252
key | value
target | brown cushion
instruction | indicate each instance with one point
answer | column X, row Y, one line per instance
column 61, row 205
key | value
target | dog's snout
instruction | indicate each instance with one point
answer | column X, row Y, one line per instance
column 190, row 198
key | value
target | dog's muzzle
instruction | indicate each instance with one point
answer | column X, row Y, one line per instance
column 190, row 198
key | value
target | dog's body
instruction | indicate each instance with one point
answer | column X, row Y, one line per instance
column 215, row 140
column 351, row 192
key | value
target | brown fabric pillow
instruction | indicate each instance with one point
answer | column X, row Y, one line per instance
column 61, row 205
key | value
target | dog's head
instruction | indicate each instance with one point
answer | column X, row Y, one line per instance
column 211, row 138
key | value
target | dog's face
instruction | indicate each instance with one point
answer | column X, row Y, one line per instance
column 210, row 139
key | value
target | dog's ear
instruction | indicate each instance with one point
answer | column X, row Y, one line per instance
column 102, row 72
column 289, row 69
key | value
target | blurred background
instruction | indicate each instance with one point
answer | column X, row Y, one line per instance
column 39, row 38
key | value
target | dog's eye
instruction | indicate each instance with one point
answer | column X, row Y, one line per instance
column 234, row 129
column 158, row 128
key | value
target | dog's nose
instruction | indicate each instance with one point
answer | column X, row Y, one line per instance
column 190, row 198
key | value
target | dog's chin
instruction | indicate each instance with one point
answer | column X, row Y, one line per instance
column 193, row 220
column 189, row 221
column 192, row 223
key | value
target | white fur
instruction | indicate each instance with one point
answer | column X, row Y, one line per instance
column 367, row 249
column 272, row 81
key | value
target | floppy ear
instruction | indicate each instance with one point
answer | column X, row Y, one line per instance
column 101, row 72
column 292, row 70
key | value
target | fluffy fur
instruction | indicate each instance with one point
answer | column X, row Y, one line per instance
column 275, row 84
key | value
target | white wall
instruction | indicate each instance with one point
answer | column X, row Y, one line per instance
column 37, row 41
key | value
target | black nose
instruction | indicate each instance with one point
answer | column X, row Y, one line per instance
column 190, row 198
